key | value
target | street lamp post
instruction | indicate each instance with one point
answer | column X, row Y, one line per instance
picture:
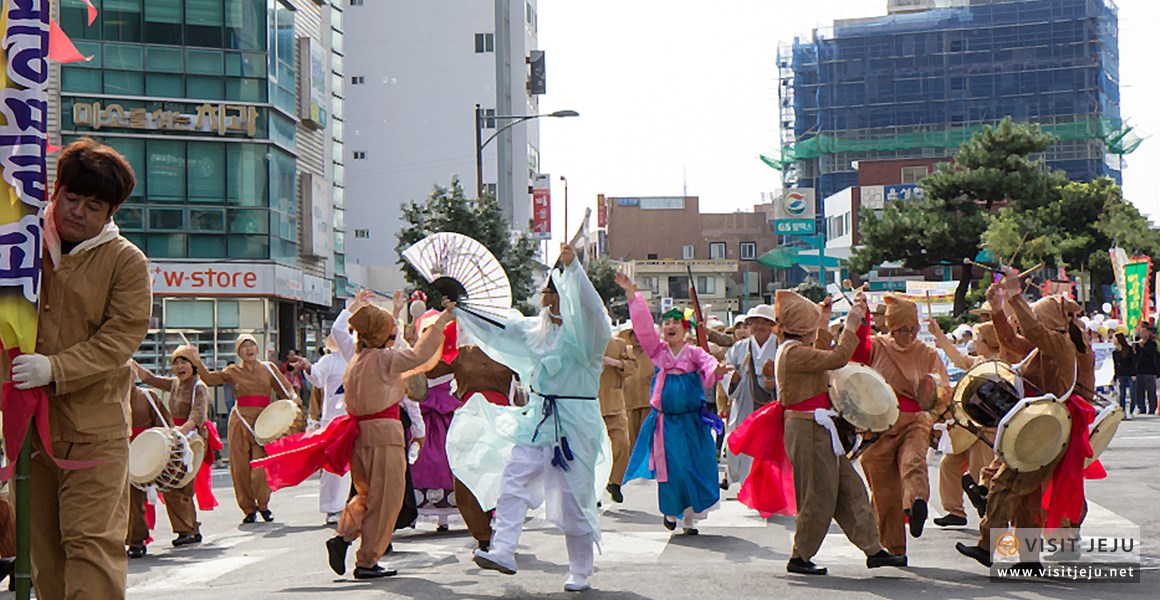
column 565, row 180
column 481, row 143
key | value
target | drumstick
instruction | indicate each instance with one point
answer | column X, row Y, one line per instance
column 929, row 309
column 999, row 270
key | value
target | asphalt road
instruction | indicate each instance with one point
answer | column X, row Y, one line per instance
column 737, row 555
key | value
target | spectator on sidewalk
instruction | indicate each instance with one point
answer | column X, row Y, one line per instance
column 1124, row 361
column 1147, row 368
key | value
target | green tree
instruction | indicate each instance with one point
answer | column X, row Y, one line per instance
column 602, row 274
column 1074, row 231
column 448, row 209
column 994, row 168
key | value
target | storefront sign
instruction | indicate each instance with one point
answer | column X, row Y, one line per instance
column 793, row 213
column 601, row 211
column 318, row 210
column 220, row 119
column 240, row 279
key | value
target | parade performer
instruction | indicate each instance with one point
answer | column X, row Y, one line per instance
column 618, row 369
column 561, row 452
column 253, row 382
column 974, row 458
column 95, row 302
column 189, row 401
column 145, row 412
column 676, row 443
column 895, row 465
column 637, row 385
column 326, row 376
column 751, row 386
column 430, row 473
column 1016, row 498
column 800, row 459
column 477, row 373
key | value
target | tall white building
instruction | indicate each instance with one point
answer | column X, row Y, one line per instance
column 414, row 71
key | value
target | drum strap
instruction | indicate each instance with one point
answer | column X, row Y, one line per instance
column 157, row 411
column 245, row 423
column 825, row 417
column 282, row 386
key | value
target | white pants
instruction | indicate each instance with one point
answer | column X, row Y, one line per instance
column 333, row 491
column 527, row 471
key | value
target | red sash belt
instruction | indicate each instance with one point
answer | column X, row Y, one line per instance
column 1065, row 495
column 257, row 401
column 907, row 404
column 497, row 398
column 136, row 432
column 769, row 488
column 294, row 458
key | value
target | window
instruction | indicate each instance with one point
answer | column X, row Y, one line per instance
column 359, row 155
column 484, row 42
column 914, row 174
column 356, row 2
column 706, row 284
column 362, row 233
column 651, row 256
column 748, row 250
column 651, row 284
column 203, row 23
column 358, row 80
column 687, row 252
column 717, row 250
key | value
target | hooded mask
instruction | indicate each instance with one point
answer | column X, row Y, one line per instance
column 795, row 313
column 900, row 313
column 188, row 353
column 374, row 325
column 1051, row 312
column 245, row 337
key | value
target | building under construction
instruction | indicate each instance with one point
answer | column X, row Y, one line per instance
column 920, row 80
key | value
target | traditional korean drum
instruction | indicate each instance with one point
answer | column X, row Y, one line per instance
column 865, row 403
column 275, row 420
column 1103, row 429
column 160, row 457
column 1033, row 434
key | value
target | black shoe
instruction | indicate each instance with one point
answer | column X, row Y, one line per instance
column 336, row 548
column 373, row 572
column 250, row 518
column 917, row 517
column 267, row 515
column 725, row 483
column 670, row 525
column 885, row 559
column 186, row 539
column 484, row 545
column 136, row 551
column 950, row 521
column 390, row 548
column 614, row 491
column 7, row 566
column 442, row 529
column 976, row 493
column 979, row 554
column 804, row 567
column 691, row 531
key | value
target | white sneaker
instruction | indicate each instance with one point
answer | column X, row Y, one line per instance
column 576, row 583
column 504, row 562
column 332, row 518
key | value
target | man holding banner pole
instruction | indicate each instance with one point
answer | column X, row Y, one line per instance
column 95, row 303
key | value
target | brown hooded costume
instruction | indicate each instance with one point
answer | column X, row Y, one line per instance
column 637, row 386
column 979, row 454
column 1014, row 498
column 143, row 417
column 895, row 465
column 826, row 488
column 253, row 384
column 374, row 384
column 612, row 404
column 188, row 401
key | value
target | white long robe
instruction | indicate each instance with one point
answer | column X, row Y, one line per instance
column 741, row 396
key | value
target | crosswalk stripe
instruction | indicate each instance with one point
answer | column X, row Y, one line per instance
column 197, row 573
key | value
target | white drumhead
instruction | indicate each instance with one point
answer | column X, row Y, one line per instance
column 1104, row 429
column 275, row 420
column 148, row 455
column 862, row 397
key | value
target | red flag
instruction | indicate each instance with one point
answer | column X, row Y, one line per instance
column 60, row 48
column 92, row 12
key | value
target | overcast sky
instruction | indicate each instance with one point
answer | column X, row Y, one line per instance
column 682, row 94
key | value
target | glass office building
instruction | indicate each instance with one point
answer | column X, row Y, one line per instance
column 225, row 109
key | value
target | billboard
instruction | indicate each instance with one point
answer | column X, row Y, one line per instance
column 601, row 211
column 876, row 197
column 313, row 98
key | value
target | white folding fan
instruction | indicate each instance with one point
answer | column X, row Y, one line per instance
column 465, row 271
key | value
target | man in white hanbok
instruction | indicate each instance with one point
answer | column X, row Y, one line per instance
column 749, row 386
column 326, row 375
column 555, row 450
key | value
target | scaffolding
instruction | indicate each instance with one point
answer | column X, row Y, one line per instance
column 918, row 84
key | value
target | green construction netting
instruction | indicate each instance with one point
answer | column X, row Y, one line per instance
column 1119, row 137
